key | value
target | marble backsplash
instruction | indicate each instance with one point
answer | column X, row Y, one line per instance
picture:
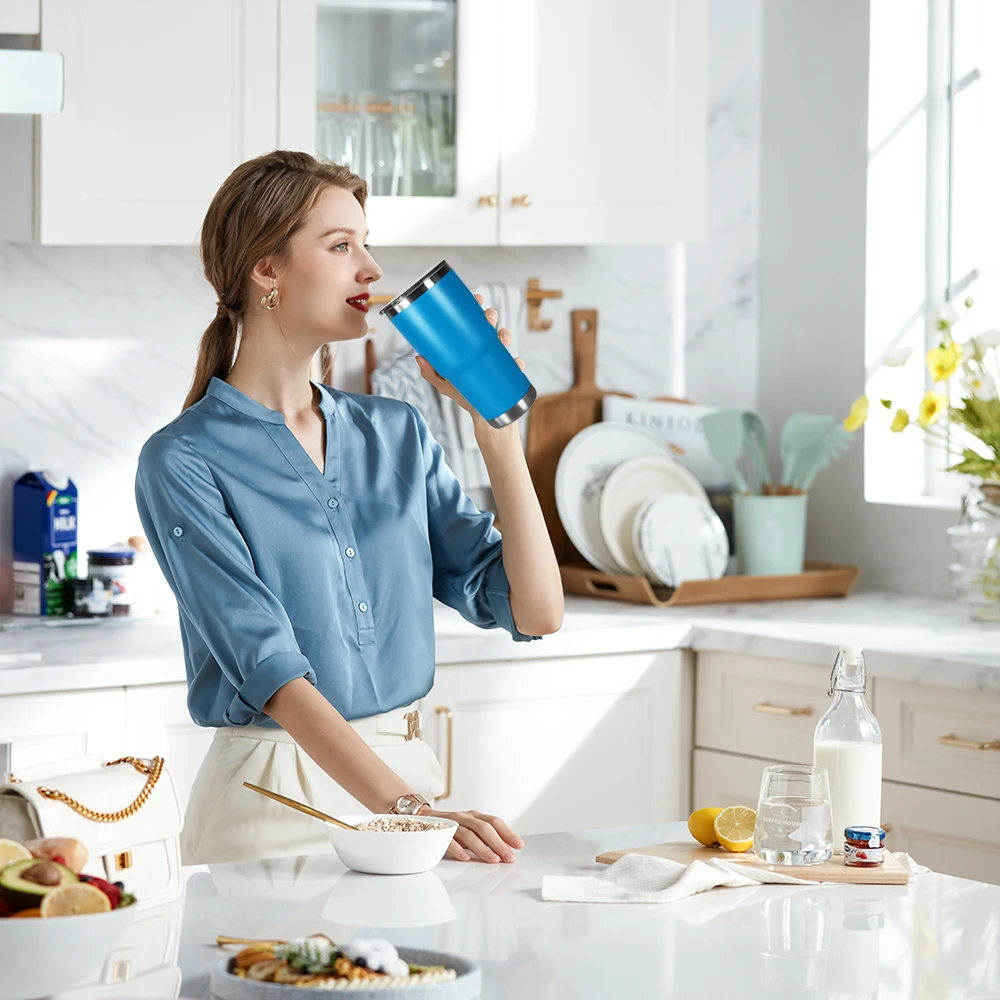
column 97, row 344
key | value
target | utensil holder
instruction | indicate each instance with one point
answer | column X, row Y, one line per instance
column 770, row 533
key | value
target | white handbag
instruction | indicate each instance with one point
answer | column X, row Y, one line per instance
column 125, row 812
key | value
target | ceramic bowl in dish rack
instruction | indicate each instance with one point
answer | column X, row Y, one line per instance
column 678, row 537
column 380, row 852
column 584, row 466
column 46, row 955
column 628, row 487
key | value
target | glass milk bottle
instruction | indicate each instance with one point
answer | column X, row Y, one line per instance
column 848, row 743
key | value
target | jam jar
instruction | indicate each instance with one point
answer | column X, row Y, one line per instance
column 863, row 846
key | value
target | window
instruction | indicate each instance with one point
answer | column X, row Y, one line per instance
column 933, row 235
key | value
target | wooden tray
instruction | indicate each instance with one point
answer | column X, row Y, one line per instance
column 818, row 580
column 891, row 872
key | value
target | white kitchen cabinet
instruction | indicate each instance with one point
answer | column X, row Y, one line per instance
column 516, row 122
column 565, row 744
column 159, row 724
column 950, row 833
column 726, row 779
column 602, row 121
column 161, row 102
column 58, row 726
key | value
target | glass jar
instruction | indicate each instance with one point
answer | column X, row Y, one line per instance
column 975, row 542
column 863, row 846
column 112, row 568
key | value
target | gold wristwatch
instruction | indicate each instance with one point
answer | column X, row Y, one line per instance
column 408, row 805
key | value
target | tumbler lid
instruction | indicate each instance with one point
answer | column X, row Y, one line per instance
column 424, row 284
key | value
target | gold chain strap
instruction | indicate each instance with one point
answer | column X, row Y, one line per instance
column 141, row 766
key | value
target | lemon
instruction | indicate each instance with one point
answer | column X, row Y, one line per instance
column 701, row 824
column 734, row 828
column 73, row 899
column 11, row 851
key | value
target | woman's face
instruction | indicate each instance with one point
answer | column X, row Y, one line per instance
column 323, row 281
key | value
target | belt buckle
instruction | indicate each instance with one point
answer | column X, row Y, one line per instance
column 412, row 725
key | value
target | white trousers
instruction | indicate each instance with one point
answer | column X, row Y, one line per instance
column 227, row 822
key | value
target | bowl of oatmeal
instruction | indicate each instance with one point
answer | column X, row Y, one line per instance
column 392, row 845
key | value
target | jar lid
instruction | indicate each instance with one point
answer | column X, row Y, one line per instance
column 115, row 557
column 865, row 833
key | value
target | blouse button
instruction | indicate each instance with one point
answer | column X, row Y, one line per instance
column 362, row 607
column 178, row 531
column 350, row 553
column 333, row 503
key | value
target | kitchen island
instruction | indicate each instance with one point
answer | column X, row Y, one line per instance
column 937, row 937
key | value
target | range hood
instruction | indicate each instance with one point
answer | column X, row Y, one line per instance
column 31, row 82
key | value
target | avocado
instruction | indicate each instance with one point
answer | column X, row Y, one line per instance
column 23, row 885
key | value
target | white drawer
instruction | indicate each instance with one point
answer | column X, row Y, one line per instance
column 951, row 834
column 915, row 718
column 726, row 779
column 762, row 707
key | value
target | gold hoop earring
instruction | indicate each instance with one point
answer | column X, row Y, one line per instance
column 270, row 300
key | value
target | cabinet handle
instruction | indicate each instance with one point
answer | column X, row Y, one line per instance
column 521, row 200
column 766, row 708
column 447, row 713
column 887, row 827
column 488, row 201
column 951, row 740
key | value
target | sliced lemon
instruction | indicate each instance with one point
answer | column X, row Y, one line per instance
column 734, row 828
column 74, row 899
column 701, row 826
column 11, row 851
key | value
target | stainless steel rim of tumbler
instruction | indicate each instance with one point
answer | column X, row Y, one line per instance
column 517, row 410
column 424, row 284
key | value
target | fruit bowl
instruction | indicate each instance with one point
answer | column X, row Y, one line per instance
column 45, row 956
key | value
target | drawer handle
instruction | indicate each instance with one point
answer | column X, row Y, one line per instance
column 951, row 740
column 766, row 708
column 449, row 718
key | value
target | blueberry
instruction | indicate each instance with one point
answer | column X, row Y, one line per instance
column 121, row 885
column 361, row 962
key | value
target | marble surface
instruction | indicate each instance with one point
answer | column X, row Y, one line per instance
column 98, row 344
column 936, row 937
column 907, row 638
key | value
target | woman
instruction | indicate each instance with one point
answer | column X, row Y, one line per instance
column 304, row 532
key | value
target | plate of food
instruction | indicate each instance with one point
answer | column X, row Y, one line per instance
column 50, row 907
column 282, row 970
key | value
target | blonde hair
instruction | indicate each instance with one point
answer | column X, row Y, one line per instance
column 256, row 212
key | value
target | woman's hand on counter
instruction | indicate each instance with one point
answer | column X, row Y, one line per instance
column 488, row 838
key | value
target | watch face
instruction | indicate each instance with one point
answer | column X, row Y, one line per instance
column 409, row 804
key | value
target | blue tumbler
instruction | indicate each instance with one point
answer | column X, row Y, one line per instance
column 443, row 321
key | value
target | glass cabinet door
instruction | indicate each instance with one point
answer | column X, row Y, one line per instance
column 385, row 93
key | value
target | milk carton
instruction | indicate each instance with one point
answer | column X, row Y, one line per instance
column 44, row 542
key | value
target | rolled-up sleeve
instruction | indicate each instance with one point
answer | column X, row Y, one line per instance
column 209, row 568
column 466, row 548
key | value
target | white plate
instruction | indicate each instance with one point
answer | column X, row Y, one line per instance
column 585, row 464
column 680, row 538
column 628, row 487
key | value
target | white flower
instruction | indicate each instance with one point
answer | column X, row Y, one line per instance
column 944, row 317
column 991, row 338
column 982, row 386
column 897, row 358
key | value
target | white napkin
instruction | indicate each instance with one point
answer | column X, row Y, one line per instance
column 642, row 878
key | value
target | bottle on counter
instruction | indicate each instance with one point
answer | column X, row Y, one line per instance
column 848, row 743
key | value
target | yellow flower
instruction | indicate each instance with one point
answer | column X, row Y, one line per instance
column 931, row 407
column 944, row 360
column 858, row 414
column 899, row 421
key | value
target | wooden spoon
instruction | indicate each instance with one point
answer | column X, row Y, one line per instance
column 301, row 806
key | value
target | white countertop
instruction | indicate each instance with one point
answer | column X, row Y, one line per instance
column 908, row 638
column 937, row 937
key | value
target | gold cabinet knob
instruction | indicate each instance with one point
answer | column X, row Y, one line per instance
column 521, row 200
column 488, row 201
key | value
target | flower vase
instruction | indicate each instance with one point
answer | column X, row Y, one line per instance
column 975, row 542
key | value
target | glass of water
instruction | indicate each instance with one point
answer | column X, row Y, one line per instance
column 794, row 816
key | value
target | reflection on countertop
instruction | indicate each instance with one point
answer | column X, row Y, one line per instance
column 907, row 638
column 938, row 936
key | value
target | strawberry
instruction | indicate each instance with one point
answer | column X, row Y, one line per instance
column 6, row 910
column 58, row 859
column 109, row 889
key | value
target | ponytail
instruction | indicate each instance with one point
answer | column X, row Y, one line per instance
column 215, row 354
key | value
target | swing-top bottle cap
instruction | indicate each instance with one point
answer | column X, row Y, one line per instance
column 852, row 653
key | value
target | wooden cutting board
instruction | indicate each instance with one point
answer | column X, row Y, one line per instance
column 555, row 419
column 891, row 872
